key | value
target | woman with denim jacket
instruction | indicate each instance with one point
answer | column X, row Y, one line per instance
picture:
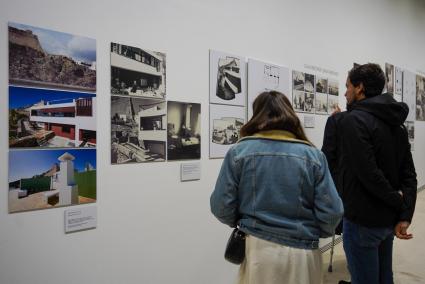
column 276, row 186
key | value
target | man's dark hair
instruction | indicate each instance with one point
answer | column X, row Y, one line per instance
column 372, row 77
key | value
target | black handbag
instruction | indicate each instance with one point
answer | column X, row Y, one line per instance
column 235, row 248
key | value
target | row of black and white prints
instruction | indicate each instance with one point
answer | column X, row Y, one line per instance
column 235, row 82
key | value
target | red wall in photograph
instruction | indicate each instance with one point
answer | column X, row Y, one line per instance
column 62, row 130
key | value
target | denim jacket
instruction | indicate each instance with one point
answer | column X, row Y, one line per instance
column 277, row 188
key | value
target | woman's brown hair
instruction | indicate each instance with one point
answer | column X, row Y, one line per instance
column 273, row 111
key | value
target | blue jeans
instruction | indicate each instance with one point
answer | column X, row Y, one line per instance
column 369, row 253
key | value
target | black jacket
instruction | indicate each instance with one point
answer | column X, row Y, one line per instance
column 376, row 163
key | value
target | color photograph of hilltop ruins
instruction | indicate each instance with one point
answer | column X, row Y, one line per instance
column 49, row 59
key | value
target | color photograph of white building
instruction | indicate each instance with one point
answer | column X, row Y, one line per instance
column 50, row 118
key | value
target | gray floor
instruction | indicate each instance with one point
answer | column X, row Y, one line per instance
column 408, row 257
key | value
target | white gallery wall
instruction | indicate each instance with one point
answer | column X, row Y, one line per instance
column 151, row 227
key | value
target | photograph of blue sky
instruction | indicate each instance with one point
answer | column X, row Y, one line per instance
column 78, row 48
column 27, row 163
column 24, row 97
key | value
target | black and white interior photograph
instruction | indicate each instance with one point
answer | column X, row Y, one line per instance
column 183, row 131
column 298, row 80
column 138, row 72
column 138, row 130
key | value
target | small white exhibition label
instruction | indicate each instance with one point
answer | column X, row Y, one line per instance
column 80, row 219
column 190, row 171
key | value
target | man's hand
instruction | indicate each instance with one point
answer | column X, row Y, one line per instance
column 400, row 230
column 337, row 109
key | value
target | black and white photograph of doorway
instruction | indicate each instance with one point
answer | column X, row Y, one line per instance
column 183, row 131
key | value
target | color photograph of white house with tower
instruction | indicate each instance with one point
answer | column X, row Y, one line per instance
column 40, row 179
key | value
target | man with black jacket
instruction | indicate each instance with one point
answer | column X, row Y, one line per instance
column 376, row 175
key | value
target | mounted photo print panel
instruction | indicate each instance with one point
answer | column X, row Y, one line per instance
column 41, row 179
column 303, row 92
column 409, row 93
column 225, row 125
column 420, row 98
column 227, row 79
column 49, row 59
column 266, row 77
column 183, row 131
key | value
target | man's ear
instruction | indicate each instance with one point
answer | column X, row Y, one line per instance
column 360, row 91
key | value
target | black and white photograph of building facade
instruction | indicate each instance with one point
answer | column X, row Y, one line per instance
column 321, row 103
column 138, row 130
column 298, row 100
column 420, row 98
column 225, row 124
column 227, row 79
column 332, row 103
column 138, row 72
column 309, row 83
column 333, row 87
column 389, row 75
column 321, row 85
column 226, row 130
column 298, row 80
column 183, row 131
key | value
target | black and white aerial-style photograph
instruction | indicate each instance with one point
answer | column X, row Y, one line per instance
column 138, row 130
column 420, row 98
column 225, row 124
column 137, row 72
column 410, row 126
column 183, row 131
column 298, row 80
column 389, row 75
column 309, row 83
column 263, row 77
column 333, row 88
column 321, row 85
column 321, row 103
column 227, row 79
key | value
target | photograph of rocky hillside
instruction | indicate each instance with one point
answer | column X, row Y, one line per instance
column 49, row 59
